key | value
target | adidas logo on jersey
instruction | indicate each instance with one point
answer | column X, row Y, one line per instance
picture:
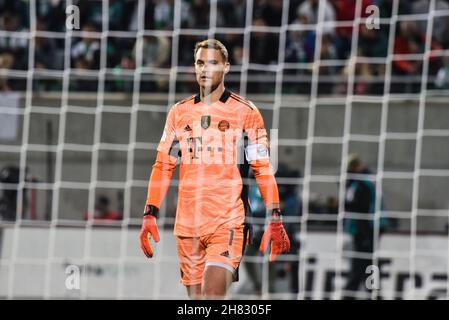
column 187, row 128
column 225, row 254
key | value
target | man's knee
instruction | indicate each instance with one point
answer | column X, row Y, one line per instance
column 213, row 292
column 194, row 292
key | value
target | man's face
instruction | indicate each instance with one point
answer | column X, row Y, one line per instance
column 355, row 168
column 210, row 68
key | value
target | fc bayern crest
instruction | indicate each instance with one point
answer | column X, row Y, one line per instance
column 205, row 122
column 223, row 125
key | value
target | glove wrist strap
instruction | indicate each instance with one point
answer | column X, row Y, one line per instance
column 151, row 210
column 276, row 214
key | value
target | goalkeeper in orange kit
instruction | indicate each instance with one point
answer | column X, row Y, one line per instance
column 217, row 135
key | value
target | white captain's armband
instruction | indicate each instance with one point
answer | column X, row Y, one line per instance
column 256, row 152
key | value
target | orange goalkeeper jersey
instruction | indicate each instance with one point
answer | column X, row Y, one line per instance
column 215, row 144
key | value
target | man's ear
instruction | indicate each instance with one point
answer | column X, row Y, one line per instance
column 227, row 67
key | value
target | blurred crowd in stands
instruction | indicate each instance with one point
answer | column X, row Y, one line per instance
column 120, row 53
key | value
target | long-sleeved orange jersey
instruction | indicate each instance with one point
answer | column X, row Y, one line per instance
column 215, row 144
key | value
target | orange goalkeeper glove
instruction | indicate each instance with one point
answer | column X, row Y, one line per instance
column 149, row 229
column 280, row 243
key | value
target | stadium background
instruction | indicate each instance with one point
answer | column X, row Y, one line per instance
column 83, row 111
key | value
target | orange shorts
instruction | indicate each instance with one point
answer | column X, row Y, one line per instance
column 223, row 248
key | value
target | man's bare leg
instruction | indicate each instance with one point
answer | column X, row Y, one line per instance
column 216, row 282
column 194, row 292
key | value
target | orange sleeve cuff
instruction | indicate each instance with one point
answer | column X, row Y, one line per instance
column 263, row 173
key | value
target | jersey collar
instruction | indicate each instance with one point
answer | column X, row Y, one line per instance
column 224, row 97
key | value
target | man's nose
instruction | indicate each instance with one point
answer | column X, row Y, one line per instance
column 206, row 66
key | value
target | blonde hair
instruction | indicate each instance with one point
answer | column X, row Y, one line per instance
column 212, row 44
column 353, row 160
